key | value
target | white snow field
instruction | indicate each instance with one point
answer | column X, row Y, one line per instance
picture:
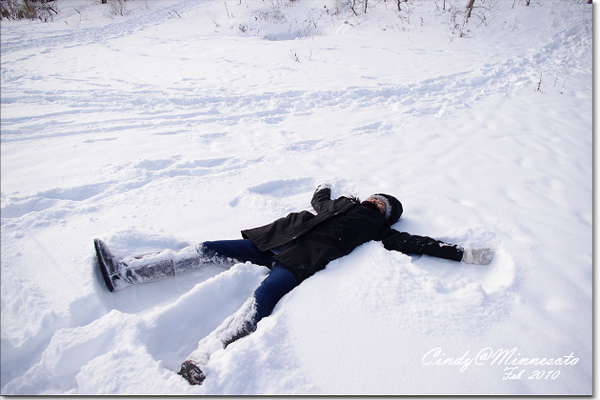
column 185, row 121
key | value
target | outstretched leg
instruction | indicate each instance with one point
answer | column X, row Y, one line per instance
column 279, row 282
column 121, row 273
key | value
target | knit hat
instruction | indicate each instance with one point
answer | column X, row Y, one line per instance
column 393, row 207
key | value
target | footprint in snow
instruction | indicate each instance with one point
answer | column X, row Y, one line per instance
column 283, row 187
column 278, row 189
column 156, row 165
column 17, row 206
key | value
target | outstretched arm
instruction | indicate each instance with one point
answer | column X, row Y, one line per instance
column 414, row 244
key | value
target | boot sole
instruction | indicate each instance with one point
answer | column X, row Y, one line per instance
column 104, row 261
column 192, row 373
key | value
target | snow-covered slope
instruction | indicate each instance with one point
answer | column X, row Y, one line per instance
column 185, row 121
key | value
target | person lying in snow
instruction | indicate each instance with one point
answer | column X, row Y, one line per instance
column 293, row 248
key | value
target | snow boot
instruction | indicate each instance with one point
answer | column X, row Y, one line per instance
column 192, row 373
column 240, row 324
column 119, row 274
column 481, row 256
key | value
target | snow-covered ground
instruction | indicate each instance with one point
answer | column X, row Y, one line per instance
column 185, row 121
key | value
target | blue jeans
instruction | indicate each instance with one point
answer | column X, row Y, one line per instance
column 277, row 284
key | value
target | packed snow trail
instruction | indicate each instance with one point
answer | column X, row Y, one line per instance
column 188, row 121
